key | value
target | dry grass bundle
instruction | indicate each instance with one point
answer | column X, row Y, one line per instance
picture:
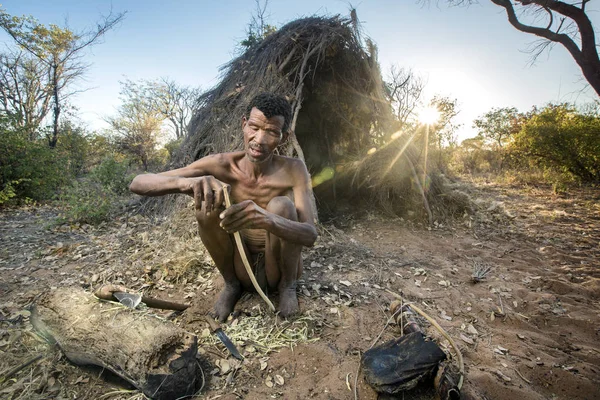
column 262, row 335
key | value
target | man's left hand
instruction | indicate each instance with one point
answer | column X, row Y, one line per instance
column 244, row 215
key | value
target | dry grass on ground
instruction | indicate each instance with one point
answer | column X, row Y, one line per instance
column 528, row 329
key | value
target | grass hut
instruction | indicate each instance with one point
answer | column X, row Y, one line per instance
column 340, row 113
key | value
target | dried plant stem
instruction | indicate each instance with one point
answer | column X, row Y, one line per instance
column 421, row 190
column 18, row 368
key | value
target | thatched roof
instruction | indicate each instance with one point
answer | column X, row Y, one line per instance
column 332, row 79
column 321, row 66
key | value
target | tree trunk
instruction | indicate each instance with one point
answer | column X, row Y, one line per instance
column 54, row 138
column 154, row 355
column 585, row 56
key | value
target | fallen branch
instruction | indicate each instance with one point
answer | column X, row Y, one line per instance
column 18, row 368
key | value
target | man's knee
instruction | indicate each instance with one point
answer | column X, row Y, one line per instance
column 284, row 207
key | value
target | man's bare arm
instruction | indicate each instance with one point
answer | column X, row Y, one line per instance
column 172, row 181
column 196, row 180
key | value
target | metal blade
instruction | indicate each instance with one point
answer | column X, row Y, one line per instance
column 130, row 300
column 230, row 346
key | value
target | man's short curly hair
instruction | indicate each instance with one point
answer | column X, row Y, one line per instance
column 272, row 105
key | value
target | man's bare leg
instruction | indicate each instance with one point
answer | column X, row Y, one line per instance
column 220, row 247
column 283, row 261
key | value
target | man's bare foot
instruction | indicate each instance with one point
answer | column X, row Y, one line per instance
column 288, row 302
column 229, row 296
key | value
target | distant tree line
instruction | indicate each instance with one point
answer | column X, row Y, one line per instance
column 558, row 138
column 45, row 151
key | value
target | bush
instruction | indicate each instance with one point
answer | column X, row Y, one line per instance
column 112, row 175
column 96, row 198
column 30, row 168
column 88, row 202
column 560, row 139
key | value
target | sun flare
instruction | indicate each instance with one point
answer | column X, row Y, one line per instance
column 429, row 116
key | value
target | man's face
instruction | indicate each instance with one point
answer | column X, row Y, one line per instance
column 262, row 135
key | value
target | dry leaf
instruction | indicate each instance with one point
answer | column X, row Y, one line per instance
column 263, row 364
column 279, row 380
column 269, row 381
column 224, row 366
column 466, row 339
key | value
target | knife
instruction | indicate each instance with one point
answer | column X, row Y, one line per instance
column 215, row 328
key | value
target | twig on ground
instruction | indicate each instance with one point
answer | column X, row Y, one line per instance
column 18, row 368
column 356, row 378
column 522, row 377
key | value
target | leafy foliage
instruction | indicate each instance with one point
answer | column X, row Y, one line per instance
column 97, row 197
column 138, row 125
column 59, row 51
column 561, row 139
column 498, row 125
column 30, row 168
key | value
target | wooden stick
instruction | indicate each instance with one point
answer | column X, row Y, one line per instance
column 461, row 365
column 240, row 247
column 20, row 367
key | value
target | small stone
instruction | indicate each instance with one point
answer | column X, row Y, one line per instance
column 471, row 329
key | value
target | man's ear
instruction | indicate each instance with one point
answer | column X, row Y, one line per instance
column 244, row 120
column 285, row 135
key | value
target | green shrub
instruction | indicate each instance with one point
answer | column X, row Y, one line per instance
column 74, row 144
column 560, row 139
column 38, row 169
column 89, row 202
column 112, row 175
column 97, row 197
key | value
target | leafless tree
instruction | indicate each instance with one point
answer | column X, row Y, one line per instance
column 175, row 102
column 404, row 91
column 24, row 92
column 59, row 49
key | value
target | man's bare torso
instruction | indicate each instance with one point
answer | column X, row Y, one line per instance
column 278, row 181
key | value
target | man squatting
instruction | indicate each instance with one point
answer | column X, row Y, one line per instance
column 272, row 209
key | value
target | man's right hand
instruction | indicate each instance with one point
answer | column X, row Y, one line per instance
column 206, row 189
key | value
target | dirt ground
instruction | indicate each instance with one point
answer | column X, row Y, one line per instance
column 530, row 330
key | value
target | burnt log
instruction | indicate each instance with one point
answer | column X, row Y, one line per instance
column 153, row 354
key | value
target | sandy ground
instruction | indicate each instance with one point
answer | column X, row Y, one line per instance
column 530, row 330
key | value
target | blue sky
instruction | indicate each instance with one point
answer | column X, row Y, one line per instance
column 471, row 54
